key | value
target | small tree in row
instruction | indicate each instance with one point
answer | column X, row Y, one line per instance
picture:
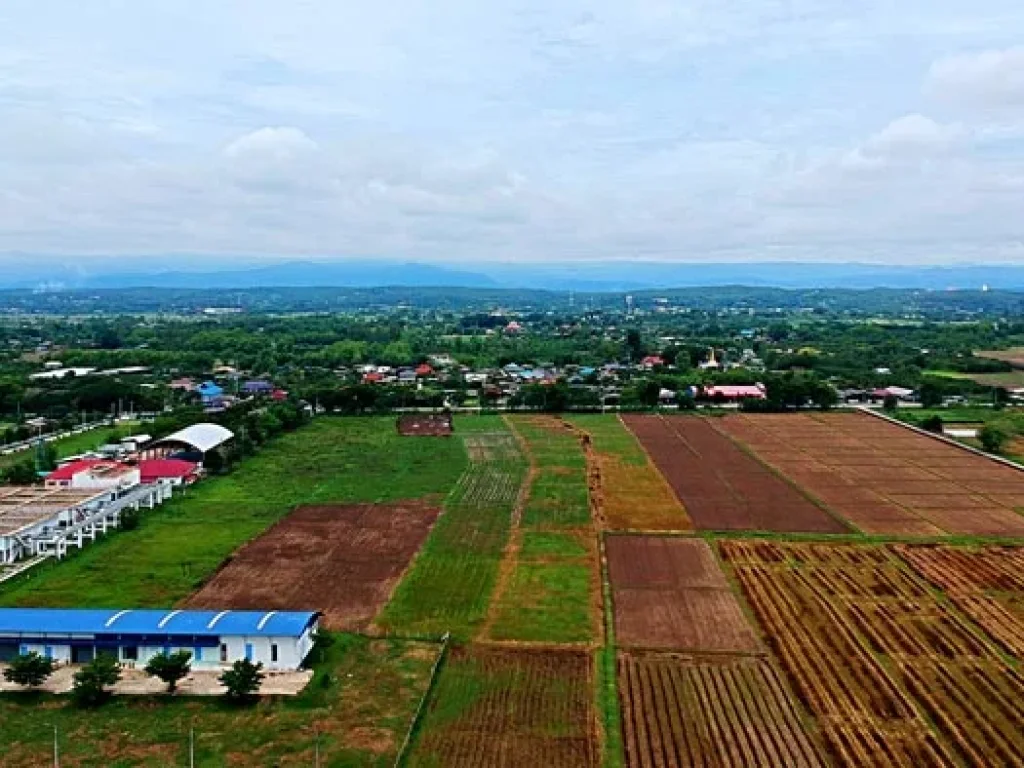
column 30, row 670
column 92, row 682
column 243, row 680
column 170, row 668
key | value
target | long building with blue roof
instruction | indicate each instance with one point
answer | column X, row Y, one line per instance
column 278, row 639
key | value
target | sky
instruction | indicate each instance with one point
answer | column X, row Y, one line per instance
column 888, row 131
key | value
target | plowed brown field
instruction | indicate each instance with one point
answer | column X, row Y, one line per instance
column 670, row 593
column 723, row 488
column 872, row 652
column 503, row 708
column 885, row 478
column 341, row 560
column 679, row 711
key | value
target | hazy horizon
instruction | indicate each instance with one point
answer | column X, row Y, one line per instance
column 457, row 133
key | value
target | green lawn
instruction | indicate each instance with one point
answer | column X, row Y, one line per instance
column 177, row 546
column 611, row 437
column 450, row 584
column 71, row 446
column 361, row 702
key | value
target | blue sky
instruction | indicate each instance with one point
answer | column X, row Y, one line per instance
column 825, row 130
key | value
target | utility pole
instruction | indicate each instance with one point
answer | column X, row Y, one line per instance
column 56, row 749
column 192, row 747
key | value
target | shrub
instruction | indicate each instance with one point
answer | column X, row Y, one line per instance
column 243, row 680
column 30, row 670
column 933, row 424
column 170, row 667
column 994, row 437
column 93, row 680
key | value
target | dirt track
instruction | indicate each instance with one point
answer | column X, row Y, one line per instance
column 341, row 560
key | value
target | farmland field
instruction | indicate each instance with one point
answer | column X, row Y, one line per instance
column 362, row 714
column 710, row 711
column 723, row 488
column 987, row 584
column 670, row 593
column 494, row 707
column 885, row 478
column 549, row 590
column 179, row 545
column 629, row 492
column 450, row 584
column 879, row 658
column 340, row 560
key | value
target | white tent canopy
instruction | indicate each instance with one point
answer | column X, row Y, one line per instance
column 201, row 437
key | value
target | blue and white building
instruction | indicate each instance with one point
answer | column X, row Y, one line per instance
column 281, row 640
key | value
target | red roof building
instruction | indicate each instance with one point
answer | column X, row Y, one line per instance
column 373, row 378
column 174, row 471
column 652, row 361
column 424, row 370
column 734, row 392
column 279, row 395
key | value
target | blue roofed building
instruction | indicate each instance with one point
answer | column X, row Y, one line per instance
column 209, row 391
column 280, row 640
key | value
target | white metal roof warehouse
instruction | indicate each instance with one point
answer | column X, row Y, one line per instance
column 199, row 437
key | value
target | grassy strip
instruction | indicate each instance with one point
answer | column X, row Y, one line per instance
column 608, row 704
column 71, row 445
column 363, row 696
column 417, row 721
column 179, row 545
column 610, row 437
column 548, row 597
column 449, row 586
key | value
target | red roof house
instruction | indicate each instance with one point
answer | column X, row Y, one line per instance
column 736, row 392
column 176, row 471
column 652, row 361
column 424, row 370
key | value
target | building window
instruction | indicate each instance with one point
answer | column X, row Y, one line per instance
column 273, row 653
column 223, row 653
column 130, row 653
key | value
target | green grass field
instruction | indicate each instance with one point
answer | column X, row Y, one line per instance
column 450, row 584
column 177, row 546
column 362, row 714
column 71, row 446
column 548, row 594
column 611, row 437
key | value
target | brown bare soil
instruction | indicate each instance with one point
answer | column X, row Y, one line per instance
column 425, row 425
column 884, row 478
column 895, row 675
column 679, row 711
column 341, row 560
column 509, row 708
column 670, row 593
column 723, row 488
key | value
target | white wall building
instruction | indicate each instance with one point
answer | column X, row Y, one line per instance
column 280, row 640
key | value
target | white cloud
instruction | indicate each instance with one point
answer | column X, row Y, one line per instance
column 993, row 79
column 511, row 129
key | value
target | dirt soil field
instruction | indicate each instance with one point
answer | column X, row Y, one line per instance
column 680, row 711
column 341, row 560
column 885, row 478
column 723, row 488
column 669, row 593
column 425, row 425
column 894, row 674
column 501, row 708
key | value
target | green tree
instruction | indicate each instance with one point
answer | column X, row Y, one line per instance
column 891, row 403
column 933, row 424
column 20, row 473
column 243, row 680
column 170, row 668
column 994, row 437
column 930, row 394
column 92, row 682
column 30, row 670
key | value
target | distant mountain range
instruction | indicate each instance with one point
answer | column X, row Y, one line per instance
column 54, row 273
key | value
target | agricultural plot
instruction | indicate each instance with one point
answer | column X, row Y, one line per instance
column 449, row 586
column 723, row 488
column 425, row 425
column 549, row 591
column 670, row 593
column 884, row 478
column 356, row 712
column 987, row 584
column 178, row 546
column 879, row 659
column 506, row 708
column 627, row 491
column 726, row 711
column 340, row 560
